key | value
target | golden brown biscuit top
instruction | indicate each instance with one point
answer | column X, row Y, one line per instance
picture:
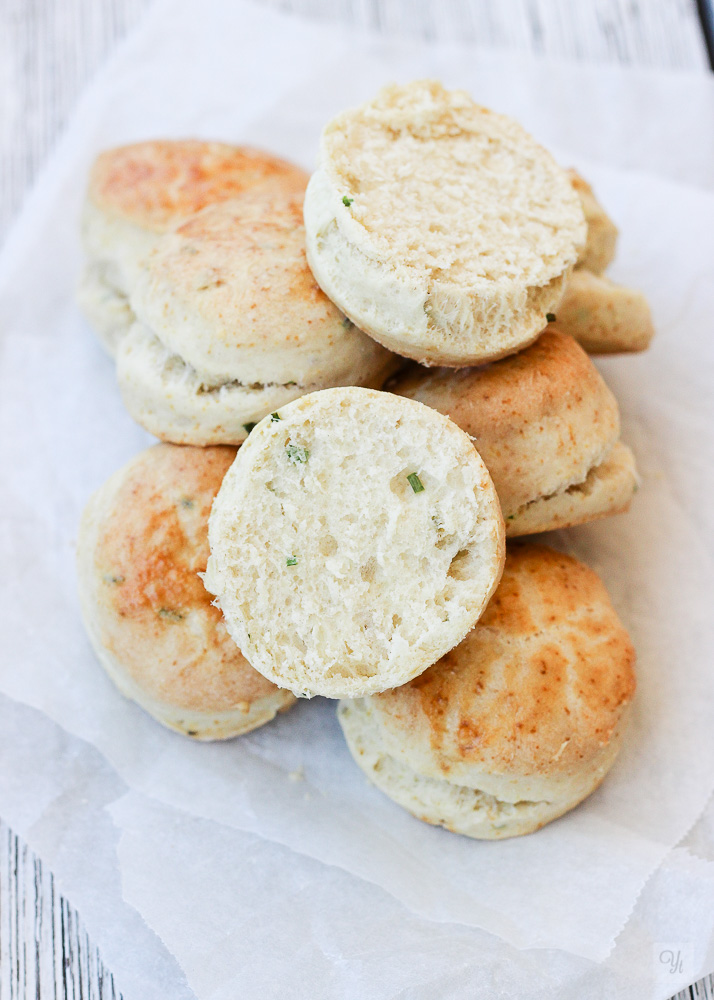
column 155, row 184
column 551, row 375
column 155, row 615
column 232, row 284
column 248, row 246
column 537, row 687
column 540, row 419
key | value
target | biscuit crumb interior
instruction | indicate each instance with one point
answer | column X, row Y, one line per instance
column 359, row 540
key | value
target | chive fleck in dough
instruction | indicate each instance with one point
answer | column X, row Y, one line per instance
column 356, row 538
column 520, row 722
column 546, row 426
column 142, row 546
column 441, row 229
column 139, row 191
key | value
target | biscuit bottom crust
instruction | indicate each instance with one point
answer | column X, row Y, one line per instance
column 104, row 305
column 604, row 317
column 607, row 489
column 200, row 725
column 458, row 808
column 172, row 401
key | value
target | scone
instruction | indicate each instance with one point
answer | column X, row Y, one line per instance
column 142, row 546
column 440, row 228
column 230, row 325
column 546, row 426
column 606, row 318
column 138, row 191
column 356, row 538
column 519, row 723
column 601, row 239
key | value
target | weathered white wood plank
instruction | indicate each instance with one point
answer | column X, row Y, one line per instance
column 45, row 951
column 49, row 50
column 661, row 33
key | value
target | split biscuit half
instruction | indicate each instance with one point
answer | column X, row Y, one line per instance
column 521, row 721
column 356, row 538
column 441, row 229
column 142, row 547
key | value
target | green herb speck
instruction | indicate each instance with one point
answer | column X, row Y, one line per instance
column 170, row 615
column 187, row 502
column 511, row 517
column 415, row 482
column 192, row 732
column 249, row 426
column 346, row 201
column 275, row 416
column 109, row 578
column 347, row 323
column 297, row 453
column 291, row 561
column 550, row 317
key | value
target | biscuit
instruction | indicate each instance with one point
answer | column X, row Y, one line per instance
column 230, row 325
column 606, row 318
column 440, row 228
column 546, row 426
column 143, row 544
column 356, row 538
column 138, row 191
column 601, row 240
column 520, row 722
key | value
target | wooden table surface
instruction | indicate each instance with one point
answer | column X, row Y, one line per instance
column 49, row 50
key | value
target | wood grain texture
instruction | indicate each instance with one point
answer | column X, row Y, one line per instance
column 45, row 952
column 661, row 33
column 49, row 50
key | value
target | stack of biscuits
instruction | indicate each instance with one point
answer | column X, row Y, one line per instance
column 364, row 383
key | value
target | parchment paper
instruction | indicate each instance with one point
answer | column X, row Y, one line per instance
column 252, row 76
column 331, row 935
column 248, row 918
column 54, row 791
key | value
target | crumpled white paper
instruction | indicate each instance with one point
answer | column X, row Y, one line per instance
column 248, row 75
column 329, row 935
column 248, row 918
column 54, row 793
